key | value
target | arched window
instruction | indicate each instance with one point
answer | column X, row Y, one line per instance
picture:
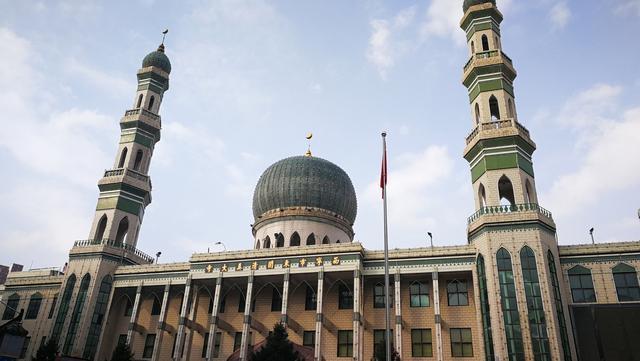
column 477, row 114
column 34, row 306
column 267, row 242
column 151, row 101
column 123, row 157
column 505, row 190
column 457, row 293
column 139, row 101
column 495, row 42
column 102, row 225
column 559, row 307
column 123, row 229
column 418, row 294
column 494, row 108
column 64, row 307
column 11, row 306
column 279, row 240
column 510, row 108
column 338, row 241
column 258, row 244
column 77, row 313
column 473, row 48
column 535, row 310
column 98, row 316
column 484, row 308
column 138, row 161
column 295, row 239
column 509, row 302
column 378, row 296
column 345, row 297
column 527, row 192
column 157, row 305
column 485, row 43
column 311, row 240
column 581, row 285
column 325, row 240
column 626, row 280
column 482, row 196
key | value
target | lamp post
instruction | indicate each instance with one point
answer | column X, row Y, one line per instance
column 591, row 234
column 222, row 244
column 430, row 238
column 158, row 256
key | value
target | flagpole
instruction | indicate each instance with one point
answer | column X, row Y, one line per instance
column 387, row 316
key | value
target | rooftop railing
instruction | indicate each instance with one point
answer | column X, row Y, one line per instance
column 142, row 111
column 114, row 244
column 506, row 209
column 497, row 124
column 486, row 55
column 126, row 171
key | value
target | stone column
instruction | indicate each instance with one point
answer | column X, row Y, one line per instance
column 317, row 353
column 398, row 307
column 161, row 320
column 356, row 314
column 214, row 319
column 247, row 319
column 99, row 352
column 285, row 298
column 186, row 355
column 183, row 312
column 436, row 311
column 134, row 315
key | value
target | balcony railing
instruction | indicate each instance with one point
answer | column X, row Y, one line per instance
column 128, row 172
column 514, row 208
column 142, row 111
column 114, row 244
column 486, row 55
column 497, row 124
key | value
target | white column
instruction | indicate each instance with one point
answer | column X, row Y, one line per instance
column 214, row 319
column 247, row 320
column 436, row 311
column 285, row 298
column 317, row 354
column 161, row 320
column 356, row 315
column 398, row 307
column 189, row 328
column 183, row 312
column 134, row 315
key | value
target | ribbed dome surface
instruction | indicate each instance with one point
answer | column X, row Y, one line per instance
column 158, row 59
column 469, row 3
column 305, row 182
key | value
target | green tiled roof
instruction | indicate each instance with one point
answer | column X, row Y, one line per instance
column 158, row 59
column 469, row 3
column 305, row 182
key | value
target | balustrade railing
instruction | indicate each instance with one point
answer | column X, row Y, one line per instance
column 114, row 244
column 506, row 209
column 128, row 172
column 142, row 111
column 486, row 55
column 497, row 124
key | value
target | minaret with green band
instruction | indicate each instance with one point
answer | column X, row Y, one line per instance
column 125, row 190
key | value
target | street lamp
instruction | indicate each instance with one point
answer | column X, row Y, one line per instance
column 222, row 244
column 430, row 238
column 591, row 233
column 158, row 256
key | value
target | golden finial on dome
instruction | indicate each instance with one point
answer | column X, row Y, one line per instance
column 309, row 136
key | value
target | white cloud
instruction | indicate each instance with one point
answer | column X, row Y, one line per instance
column 109, row 83
column 560, row 14
column 383, row 48
column 443, row 20
column 629, row 6
column 608, row 143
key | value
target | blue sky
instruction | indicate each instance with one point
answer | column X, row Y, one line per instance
column 251, row 78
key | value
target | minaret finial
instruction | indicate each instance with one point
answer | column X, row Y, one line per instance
column 309, row 136
column 161, row 47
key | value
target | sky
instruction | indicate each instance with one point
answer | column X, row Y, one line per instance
column 250, row 78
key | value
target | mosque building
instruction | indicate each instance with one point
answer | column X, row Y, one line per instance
column 510, row 294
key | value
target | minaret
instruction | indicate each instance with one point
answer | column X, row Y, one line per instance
column 125, row 191
column 524, row 317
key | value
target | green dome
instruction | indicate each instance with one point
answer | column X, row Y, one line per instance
column 469, row 3
column 158, row 59
column 305, row 182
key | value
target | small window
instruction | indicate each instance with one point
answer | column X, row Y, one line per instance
column 267, row 242
column 325, row 240
column 345, row 297
column 510, row 108
column 626, row 280
column 457, row 293
column 379, row 340
column 311, row 240
column 258, row 244
column 34, row 307
column 10, row 307
column 216, row 345
column 276, row 301
column 279, row 240
column 155, row 309
column 123, row 158
column 310, row 300
column 139, row 104
column 482, row 196
column 421, row 345
column 505, row 191
column 477, row 113
column 237, row 341
column 148, row 345
column 53, row 306
column 378, row 296
column 494, row 108
column 461, row 344
column 345, row 343
column 123, row 229
column 581, row 285
column 102, row 225
column 151, row 101
column 128, row 308
column 309, row 339
column 485, row 43
column 419, row 294
column 473, row 48
column 138, row 161
column 295, row 239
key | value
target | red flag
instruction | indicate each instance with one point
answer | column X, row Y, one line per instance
column 383, row 171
